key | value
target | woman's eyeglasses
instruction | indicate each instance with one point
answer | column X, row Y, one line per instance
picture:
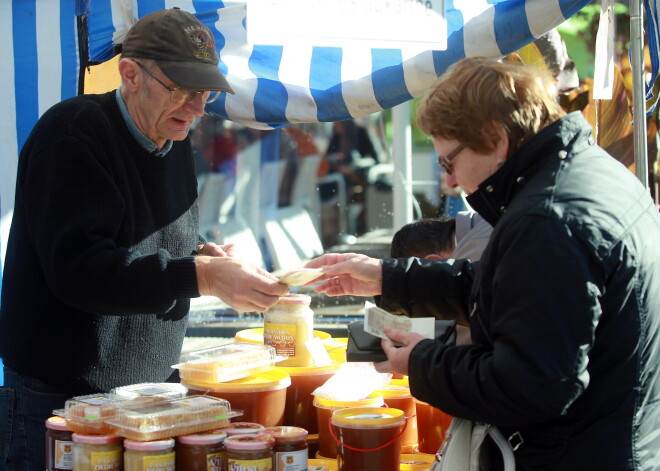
column 181, row 95
column 445, row 161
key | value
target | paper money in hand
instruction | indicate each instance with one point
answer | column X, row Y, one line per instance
column 300, row 276
column 377, row 319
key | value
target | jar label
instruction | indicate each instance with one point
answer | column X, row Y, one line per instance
column 159, row 462
column 264, row 464
column 215, row 461
column 291, row 460
column 282, row 337
column 63, row 458
column 106, row 460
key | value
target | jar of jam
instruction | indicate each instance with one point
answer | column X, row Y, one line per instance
column 242, row 428
column 143, row 456
column 59, row 445
column 95, row 452
column 253, row 452
column 287, row 326
column 290, row 451
column 201, row 452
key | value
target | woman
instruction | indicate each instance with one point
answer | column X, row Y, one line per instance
column 564, row 305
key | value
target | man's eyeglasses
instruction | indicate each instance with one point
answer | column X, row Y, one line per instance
column 445, row 161
column 181, row 95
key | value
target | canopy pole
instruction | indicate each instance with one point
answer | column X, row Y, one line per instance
column 402, row 156
column 639, row 102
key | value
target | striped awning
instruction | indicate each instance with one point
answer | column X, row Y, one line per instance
column 43, row 40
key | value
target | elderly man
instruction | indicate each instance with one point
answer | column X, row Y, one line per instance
column 104, row 253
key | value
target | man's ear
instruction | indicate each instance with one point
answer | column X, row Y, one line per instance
column 130, row 75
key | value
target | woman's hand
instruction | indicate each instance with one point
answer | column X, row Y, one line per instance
column 397, row 356
column 348, row 274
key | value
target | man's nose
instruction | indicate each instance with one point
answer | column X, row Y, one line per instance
column 197, row 105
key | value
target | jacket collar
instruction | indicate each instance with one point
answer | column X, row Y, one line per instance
column 557, row 140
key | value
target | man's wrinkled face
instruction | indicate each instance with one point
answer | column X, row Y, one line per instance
column 159, row 117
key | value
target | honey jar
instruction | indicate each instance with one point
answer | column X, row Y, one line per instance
column 287, row 326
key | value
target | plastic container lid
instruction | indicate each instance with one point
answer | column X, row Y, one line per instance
column 396, row 388
column 321, row 464
column 172, row 417
column 242, row 428
column 226, row 362
column 249, row 442
column 265, row 381
column 56, row 423
column 95, row 439
column 374, row 399
column 309, row 370
column 256, row 335
column 416, row 461
column 149, row 446
column 208, row 438
column 132, row 391
column 367, row 417
column 286, row 433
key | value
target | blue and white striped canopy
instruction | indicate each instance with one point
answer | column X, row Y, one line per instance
column 274, row 85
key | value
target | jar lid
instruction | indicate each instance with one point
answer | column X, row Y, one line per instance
column 286, row 433
column 368, row 417
column 249, row 442
column 150, row 446
column 270, row 380
column 241, row 428
column 396, row 388
column 56, row 423
column 95, row 439
column 295, row 298
column 207, row 438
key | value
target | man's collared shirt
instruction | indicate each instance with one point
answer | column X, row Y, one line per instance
column 144, row 141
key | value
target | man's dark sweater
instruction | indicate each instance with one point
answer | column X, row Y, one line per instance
column 98, row 272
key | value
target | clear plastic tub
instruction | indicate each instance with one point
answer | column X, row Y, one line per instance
column 226, row 362
column 171, row 390
column 172, row 417
column 88, row 415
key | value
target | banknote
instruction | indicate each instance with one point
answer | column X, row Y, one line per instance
column 300, row 276
column 377, row 319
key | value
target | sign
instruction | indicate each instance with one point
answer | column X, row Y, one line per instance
column 382, row 24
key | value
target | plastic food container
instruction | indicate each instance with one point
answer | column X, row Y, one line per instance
column 368, row 438
column 397, row 395
column 172, row 390
column 171, row 417
column 416, row 461
column 261, row 397
column 88, row 415
column 299, row 410
column 324, row 410
column 225, row 363
column 432, row 424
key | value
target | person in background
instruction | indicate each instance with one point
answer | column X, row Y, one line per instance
column 431, row 238
column 104, row 253
column 564, row 305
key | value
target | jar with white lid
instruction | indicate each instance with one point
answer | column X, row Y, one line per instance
column 153, row 455
column 287, row 326
column 59, row 445
column 95, row 452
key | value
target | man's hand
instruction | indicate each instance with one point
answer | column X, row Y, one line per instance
column 348, row 274
column 243, row 286
column 397, row 357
